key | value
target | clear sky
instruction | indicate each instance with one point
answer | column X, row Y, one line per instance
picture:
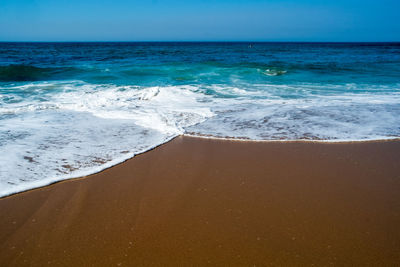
column 199, row 20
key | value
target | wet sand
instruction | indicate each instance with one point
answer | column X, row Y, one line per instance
column 193, row 202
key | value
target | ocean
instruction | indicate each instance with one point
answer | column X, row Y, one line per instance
column 73, row 109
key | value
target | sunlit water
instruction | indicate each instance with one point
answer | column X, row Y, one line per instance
column 70, row 109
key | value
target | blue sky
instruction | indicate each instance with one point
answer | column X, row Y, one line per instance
column 199, row 20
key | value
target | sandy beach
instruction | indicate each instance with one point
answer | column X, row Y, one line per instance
column 197, row 202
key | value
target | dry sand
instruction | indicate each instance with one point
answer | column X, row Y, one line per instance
column 193, row 202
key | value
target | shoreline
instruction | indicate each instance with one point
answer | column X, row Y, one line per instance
column 323, row 141
column 111, row 164
column 198, row 201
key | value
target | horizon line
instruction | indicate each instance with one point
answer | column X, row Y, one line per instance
column 198, row 41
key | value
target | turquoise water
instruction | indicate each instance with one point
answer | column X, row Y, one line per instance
column 70, row 109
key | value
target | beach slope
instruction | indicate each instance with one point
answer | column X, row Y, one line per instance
column 194, row 201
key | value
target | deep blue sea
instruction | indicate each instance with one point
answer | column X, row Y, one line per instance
column 71, row 109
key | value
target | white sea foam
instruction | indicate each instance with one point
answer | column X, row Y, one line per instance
column 68, row 129
column 77, row 132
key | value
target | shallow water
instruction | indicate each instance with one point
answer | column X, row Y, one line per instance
column 70, row 109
